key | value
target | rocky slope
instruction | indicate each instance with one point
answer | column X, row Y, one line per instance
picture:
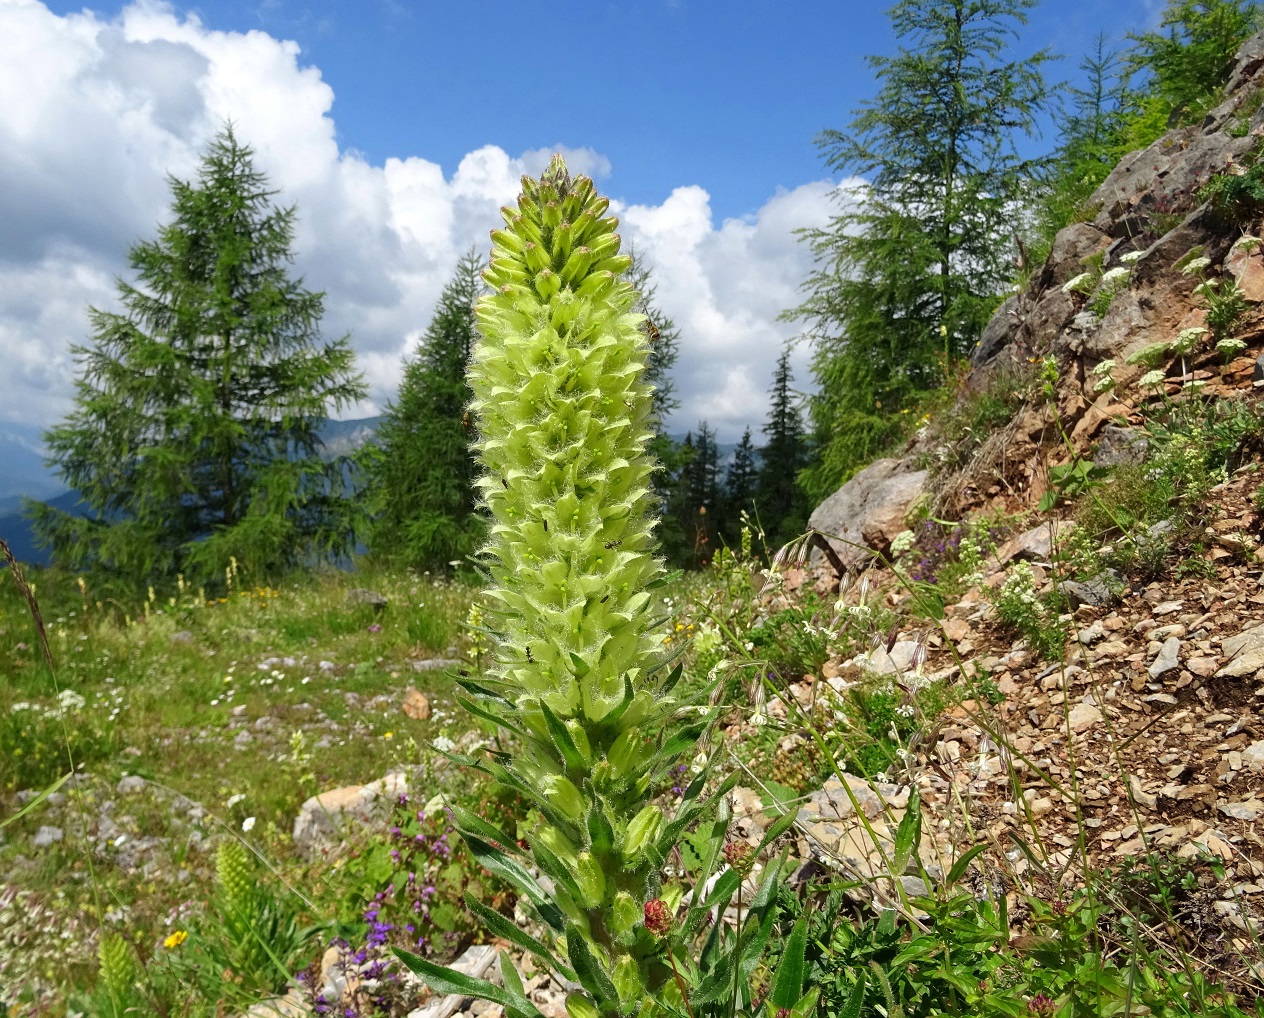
column 1149, row 734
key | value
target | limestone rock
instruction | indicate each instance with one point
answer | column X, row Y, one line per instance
column 1248, row 810
column 362, row 595
column 1168, row 659
column 292, row 1005
column 1084, row 716
column 416, row 704
column 1035, row 545
column 323, row 819
column 868, row 511
column 1100, row 591
column 1119, row 447
column 435, row 664
column 880, row 661
column 1253, row 756
column 997, row 333
column 1245, row 653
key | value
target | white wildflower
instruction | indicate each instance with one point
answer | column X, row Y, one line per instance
column 1195, row 265
column 1151, row 379
column 1132, row 257
column 1187, row 339
column 234, row 799
column 443, row 744
column 1195, row 386
column 1105, row 367
column 1078, row 284
column 1115, row 277
column 1229, row 347
column 248, row 824
column 68, row 699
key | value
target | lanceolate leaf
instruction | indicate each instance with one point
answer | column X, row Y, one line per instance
column 497, row 862
column 500, row 926
column 690, row 812
column 495, row 717
column 961, row 865
column 855, row 999
column 587, row 971
column 788, row 986
column 778, row 827
column 470, row 823
column 908, row 835
column 34, row 803
column 446, row 980
column 563, row 741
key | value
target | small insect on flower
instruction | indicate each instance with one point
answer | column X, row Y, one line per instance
column 612, row 544
column 530, row 659
column 651, row 330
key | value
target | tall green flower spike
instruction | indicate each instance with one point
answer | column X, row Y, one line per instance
column 564, row 423
column 564, row 419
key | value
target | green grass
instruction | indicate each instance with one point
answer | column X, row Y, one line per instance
column 159, row 680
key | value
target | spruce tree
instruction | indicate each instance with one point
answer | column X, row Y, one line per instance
column 782, row 504
column 912, row 266
column 193, row 440
column 421, row 469
column 702, row 496
column 740, row 483
column 668, row 454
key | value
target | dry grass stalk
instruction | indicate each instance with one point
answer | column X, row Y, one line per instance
column 25, row 588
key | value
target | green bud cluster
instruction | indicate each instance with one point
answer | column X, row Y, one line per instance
column 563, row 416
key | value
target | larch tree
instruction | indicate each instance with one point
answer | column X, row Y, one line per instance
column 909, row 270
column 194, row 436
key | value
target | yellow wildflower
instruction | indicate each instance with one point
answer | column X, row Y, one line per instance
column 175, row 940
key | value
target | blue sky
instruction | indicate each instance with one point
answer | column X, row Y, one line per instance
column 399, row 127
column 728, row 95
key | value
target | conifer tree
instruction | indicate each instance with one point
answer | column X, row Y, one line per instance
column 1091, row 125
column 741, row 481
column 193, row 439
column 669, row 455
column 1186, row 64
column 696, row 501
column 782, row 504
column 909, row 270
column 422, row 471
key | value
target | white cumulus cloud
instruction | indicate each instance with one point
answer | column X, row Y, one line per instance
column 96, row 112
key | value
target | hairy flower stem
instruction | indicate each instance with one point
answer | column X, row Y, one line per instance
column 564, row 423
